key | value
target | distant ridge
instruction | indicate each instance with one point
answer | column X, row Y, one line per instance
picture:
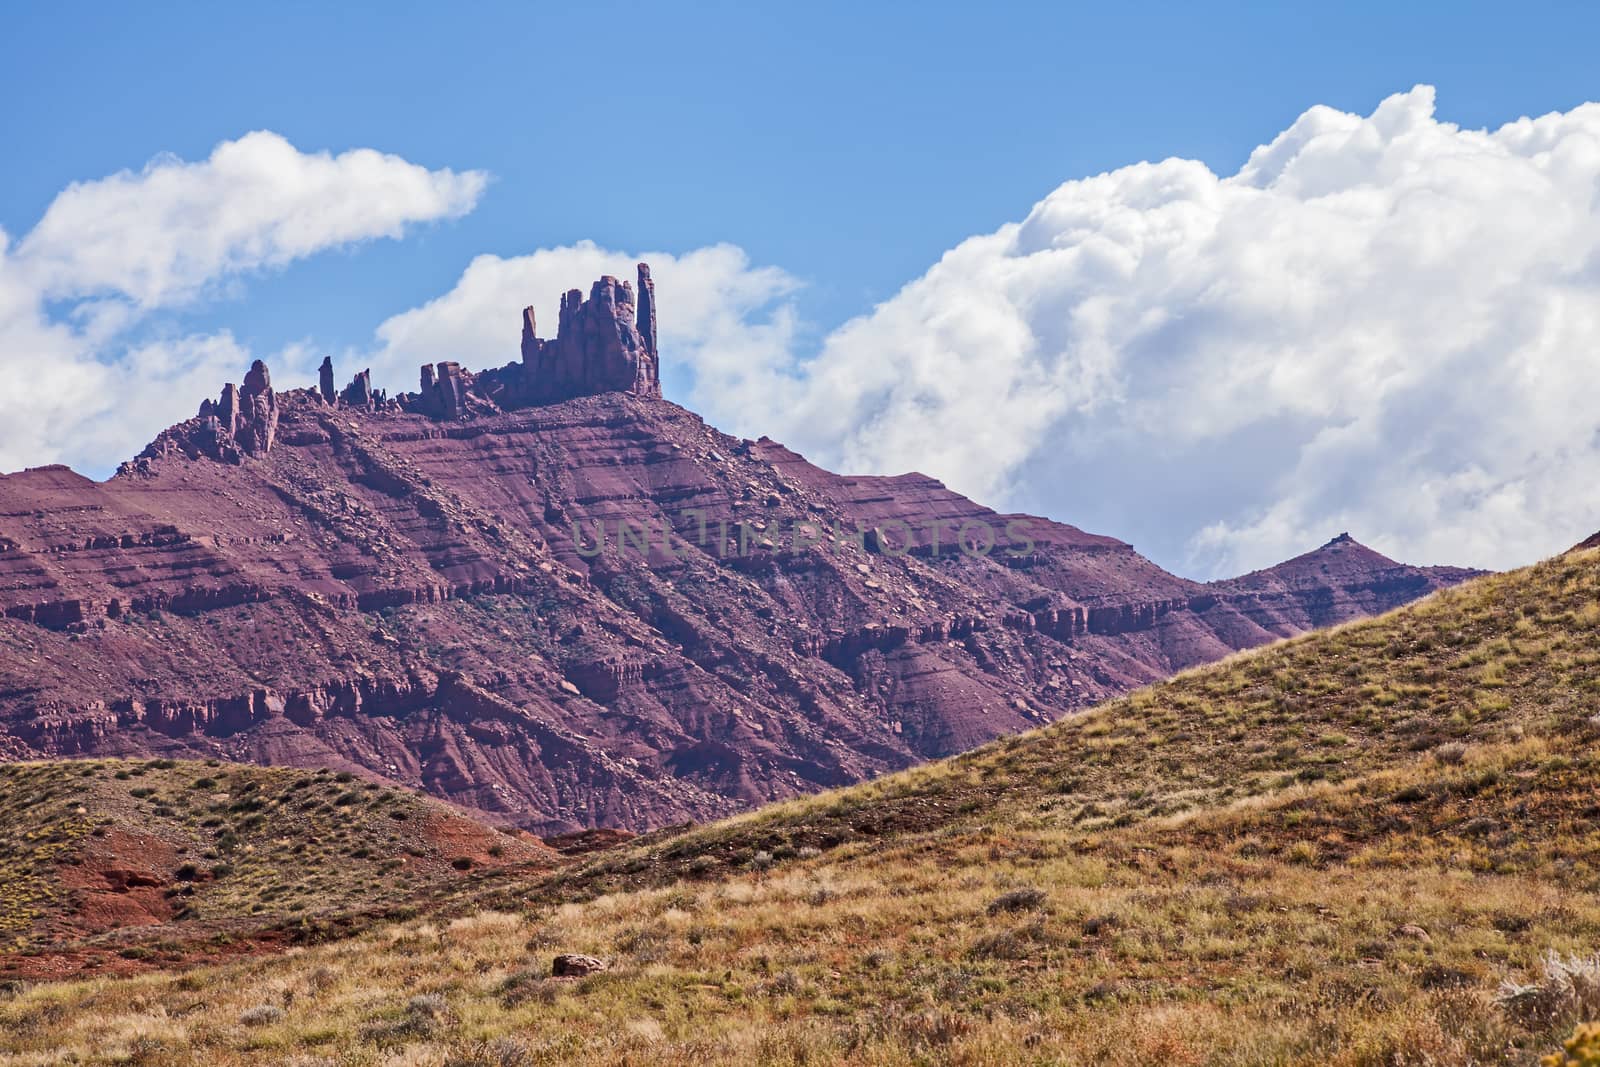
column 410, row 586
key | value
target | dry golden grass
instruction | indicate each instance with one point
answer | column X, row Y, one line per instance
column 1331, row 851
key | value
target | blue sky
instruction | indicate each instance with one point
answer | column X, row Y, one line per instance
column 850, row 143
column 901, row 171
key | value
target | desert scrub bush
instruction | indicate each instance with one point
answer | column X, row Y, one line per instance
column 525, row 986
column 1582, row 1049
column 261, row 1015
column 1303, row 853
column 431, row 1005
column 424, row 1016
column 934, row 1028
column 1023, row 898
column 1022, row 943
column 500, row 1052
column 1566, row 989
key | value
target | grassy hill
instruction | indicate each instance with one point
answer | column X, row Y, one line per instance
column 1358, row 847
column 115, row 863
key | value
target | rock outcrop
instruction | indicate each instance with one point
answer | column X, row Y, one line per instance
column 603, row 344
column 257, row 424
column 325, row 381
column 359, row 393
column 241, row 422
column 599, row 345
column 647, row 314
column 445, row 390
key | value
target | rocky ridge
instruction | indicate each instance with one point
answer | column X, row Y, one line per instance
column 545, row 593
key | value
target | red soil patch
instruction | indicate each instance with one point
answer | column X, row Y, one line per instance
column 456, row 838
column 119, row 880
column 93, row 961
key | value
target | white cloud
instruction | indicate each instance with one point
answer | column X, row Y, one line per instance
column 1381, row 323
column 161, row 234
column 1385, row 324
column 107, row 253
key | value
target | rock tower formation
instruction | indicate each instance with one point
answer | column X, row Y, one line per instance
column 604, row 344
column 325, row 381
column 242, row 422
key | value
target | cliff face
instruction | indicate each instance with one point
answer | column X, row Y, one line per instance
column 543, row 592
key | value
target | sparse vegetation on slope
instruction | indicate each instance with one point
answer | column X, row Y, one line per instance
column 1362, row 847
column 96, row 855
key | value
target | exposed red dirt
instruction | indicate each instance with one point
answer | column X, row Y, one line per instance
column 457, row 838
column 117, row 881
column 93, row 961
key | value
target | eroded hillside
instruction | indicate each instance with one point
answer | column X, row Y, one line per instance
column 546, row 593
column 1334, row 851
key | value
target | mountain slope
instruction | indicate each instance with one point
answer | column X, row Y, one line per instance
column 1340, row 581
column 1330, row 851
column 412, row 586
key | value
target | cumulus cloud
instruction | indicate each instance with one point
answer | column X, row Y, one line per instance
column 108, row 253
column 159, row 235
column 1381, row 323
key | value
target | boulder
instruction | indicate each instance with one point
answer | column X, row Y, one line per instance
column 1413, row 932
column 570, row 965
